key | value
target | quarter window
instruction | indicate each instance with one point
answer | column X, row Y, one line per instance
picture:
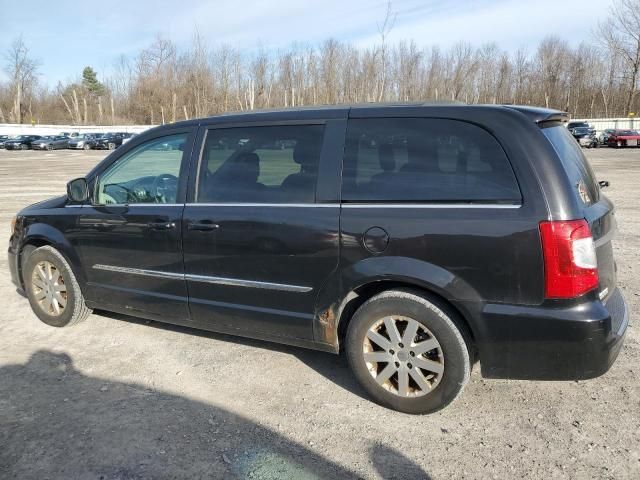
column 147, row 174
column 270, row 164
column 418, row 159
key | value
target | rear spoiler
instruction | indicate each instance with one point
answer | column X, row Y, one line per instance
column 541, row 116
column 554, row 117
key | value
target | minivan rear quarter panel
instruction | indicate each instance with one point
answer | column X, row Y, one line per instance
column 473, row 255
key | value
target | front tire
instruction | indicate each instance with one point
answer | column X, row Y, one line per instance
column 52, row 288
column 111, row 146
column 407, row 352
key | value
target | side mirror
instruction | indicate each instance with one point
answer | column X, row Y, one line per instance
column 603, row 183
column 78, row 190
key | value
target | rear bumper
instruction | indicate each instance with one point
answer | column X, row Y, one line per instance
column 534, row 343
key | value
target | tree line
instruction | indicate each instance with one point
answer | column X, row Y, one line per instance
column 163, row 83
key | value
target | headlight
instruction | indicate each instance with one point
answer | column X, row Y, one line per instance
column 14, row 220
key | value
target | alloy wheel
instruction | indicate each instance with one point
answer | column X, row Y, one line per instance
column 48, row 288
column 403, row 356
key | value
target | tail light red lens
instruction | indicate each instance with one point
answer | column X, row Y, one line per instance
column 570, row 264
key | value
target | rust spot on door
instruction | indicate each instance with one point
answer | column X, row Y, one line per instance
column 327, row 320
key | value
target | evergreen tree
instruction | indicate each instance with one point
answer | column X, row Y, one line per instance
column 91, row 83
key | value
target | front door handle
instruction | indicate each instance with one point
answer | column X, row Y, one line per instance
column 203, row 226
column 161, row 225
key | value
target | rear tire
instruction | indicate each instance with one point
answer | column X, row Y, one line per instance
column 52, row 289
column 423, row 366
column 111, row 146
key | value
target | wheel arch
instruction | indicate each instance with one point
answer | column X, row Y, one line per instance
column 359, row 295
column 39, row 235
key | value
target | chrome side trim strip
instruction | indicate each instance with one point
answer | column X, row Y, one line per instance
column 362, row 205
column 248, row 283
column 432, row 205
column 234, row 282
column 140, row 271
column 128, row 205
column 299, row 205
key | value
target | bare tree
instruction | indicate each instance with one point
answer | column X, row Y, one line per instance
column 384, row 29
column 163, row 83
column 620, row 34
column 22, row 71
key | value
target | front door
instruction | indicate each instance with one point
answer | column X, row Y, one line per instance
column 129, row 239
column 258, row 246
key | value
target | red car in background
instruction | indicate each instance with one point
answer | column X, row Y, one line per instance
column 624, row 138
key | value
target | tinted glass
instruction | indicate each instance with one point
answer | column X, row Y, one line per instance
column 276, row 164
column 416, row 159
column 575, row 164
column 147, row 174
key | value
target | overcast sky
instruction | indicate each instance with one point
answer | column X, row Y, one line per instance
column 66, row 36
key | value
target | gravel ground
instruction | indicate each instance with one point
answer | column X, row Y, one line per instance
column 120, row 398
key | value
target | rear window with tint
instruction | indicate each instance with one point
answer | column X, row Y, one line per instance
column 425, row 160
column 581, row 176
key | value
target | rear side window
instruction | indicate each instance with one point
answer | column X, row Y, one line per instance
column 581, row 176
column 270, row 164
column 420, row 159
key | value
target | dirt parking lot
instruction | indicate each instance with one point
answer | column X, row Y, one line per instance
column 120, row 398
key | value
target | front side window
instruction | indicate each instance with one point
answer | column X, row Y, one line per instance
column 425, row 160
column 147, row 174
column 270, row 164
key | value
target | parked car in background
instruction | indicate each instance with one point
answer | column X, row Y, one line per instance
column 417, row 239
column 50, row 143
column 624, row 138
column 21, row 142
column 603, row 138
column 92, row 140
column 83, row 141
column 585, row 136
column 572, row 125
column 3, row 138
column 111, row 141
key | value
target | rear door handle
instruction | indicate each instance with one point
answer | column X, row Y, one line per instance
column 203, row 226
column 161, row 225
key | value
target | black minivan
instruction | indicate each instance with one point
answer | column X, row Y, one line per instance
column 418, row 239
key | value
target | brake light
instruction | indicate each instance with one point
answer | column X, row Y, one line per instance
column 570, row 263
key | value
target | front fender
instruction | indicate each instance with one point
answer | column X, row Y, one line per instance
column 42, row 233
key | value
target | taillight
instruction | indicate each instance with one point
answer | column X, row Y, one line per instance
column 570, row 264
